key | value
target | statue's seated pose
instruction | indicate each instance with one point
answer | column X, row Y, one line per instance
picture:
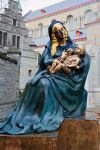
column 49, row 97
column 69, row 59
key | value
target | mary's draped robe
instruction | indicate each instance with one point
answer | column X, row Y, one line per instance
column 48, row 99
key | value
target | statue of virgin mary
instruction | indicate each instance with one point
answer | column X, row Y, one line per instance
column 50, row 98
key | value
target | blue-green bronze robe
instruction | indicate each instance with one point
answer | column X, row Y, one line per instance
column 48, row 99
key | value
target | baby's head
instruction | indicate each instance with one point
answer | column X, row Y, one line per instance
column 80, row 50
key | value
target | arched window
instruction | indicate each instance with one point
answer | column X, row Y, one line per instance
column 40, row 26
column 31, row 32
column 29, row 72
column 88, row 16
column 95, row 15
column 70, row 22
column 45, row 30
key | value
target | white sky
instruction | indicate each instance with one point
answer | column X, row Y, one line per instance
column 28, row 5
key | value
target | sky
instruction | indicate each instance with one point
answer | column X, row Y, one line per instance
column 28, row 5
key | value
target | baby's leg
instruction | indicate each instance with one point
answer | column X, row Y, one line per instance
column 57, row 68
column 53, row 66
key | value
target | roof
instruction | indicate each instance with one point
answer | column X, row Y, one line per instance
column 43, row 40
column 54, row 8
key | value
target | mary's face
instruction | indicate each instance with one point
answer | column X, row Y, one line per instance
column 60, row 31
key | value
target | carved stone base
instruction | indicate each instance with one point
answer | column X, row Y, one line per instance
column 73, row 134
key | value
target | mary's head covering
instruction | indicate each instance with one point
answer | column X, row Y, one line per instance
column 53, row 38
column 53, row 22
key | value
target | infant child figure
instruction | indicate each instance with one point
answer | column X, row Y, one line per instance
column 69, row 60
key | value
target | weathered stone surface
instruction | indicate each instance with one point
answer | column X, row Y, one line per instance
column 72, row 135
column 79, row 135
column 9, row 85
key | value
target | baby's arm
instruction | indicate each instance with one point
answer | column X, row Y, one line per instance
column 55, row 63
column 57, row 68
column 53, row 66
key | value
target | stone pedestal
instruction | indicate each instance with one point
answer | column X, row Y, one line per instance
column 72, row 135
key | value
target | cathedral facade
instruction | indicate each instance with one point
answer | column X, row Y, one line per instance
column 82, row 20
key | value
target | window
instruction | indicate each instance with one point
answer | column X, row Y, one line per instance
column 29, row 72
column 14, row 40
column 70, row 22
column 14, row 22
column 0, row 38
column 80, row 22
column 32, row 31
column 89, row 16
column 4, row 39
column 40, row 26
column 18, row 41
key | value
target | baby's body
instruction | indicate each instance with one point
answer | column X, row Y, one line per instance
column 70, row 59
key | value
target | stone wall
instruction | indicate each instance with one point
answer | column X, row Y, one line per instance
column 28, row 67
column 9, row 83
column 93, row 48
